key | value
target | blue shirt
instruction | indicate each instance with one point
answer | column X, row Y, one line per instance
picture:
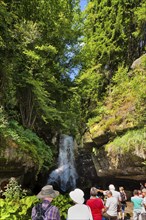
column 137, row 202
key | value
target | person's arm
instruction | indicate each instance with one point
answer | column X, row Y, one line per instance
column 107, row 205
column 141, row 186
column 33, row 213
column 144, row 202
column 102, row 191
column 103, row 210
column 125, row 196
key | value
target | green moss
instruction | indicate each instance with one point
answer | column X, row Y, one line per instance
column 134, row 140
column 124, row 107
column 25, row 146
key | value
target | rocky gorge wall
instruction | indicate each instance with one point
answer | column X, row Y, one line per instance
column 114, row 148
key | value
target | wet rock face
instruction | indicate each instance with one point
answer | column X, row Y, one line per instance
column 97, row 171
column 121, row 169
column 12, row 164
column 126, row 169
column 87, row 175
column 125, row 166
column 17, row 170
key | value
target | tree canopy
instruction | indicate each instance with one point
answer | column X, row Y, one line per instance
column 42, row 42
column 36, row 40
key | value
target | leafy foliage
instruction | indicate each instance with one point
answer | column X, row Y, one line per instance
column 109, row 28
column 13, row 190
column 132, row 141
column 112, row 37
column 35, row 64
column 20, row 209
column 63, row 202
column 17, row 205
column 27, row 142
column 124, row 106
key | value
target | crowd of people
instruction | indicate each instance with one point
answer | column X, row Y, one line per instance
column 102, row 204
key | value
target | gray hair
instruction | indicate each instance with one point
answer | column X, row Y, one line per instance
column 109, row 193
column 93, row 191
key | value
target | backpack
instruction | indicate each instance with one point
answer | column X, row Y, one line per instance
column 123, row 197
column 40, row 212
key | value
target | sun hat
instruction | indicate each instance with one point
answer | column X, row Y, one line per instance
column 77, row 196
column 47, row 191
column 111, row 187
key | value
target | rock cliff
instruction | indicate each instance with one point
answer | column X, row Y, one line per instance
column 117, row 143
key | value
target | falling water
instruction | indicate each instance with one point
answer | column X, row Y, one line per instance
column 65, row 175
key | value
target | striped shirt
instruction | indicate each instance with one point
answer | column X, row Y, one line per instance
column 51, row 212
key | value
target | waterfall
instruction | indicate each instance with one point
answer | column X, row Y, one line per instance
column 65, row 175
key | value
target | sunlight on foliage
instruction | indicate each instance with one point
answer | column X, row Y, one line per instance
column 132, row 141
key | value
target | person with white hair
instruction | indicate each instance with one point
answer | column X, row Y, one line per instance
column 115, row 193
column 79, row 210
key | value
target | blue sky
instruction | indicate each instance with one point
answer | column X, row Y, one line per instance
column 75, row 71
column 83, row 3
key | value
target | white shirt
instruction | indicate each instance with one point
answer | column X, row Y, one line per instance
column 111, row 204
column 79, row 212
column 116, row 194
column 144, row 203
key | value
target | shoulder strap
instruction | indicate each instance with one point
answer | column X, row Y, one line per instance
column 48, row 209
column 40, row 212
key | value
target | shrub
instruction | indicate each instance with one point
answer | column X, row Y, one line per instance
column 17, row 205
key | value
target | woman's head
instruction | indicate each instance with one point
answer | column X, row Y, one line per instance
column 93, row 191
column 121, row 188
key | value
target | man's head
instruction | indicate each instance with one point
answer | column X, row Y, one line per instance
column 111, row 187
column 135, row 192
column 109, row 194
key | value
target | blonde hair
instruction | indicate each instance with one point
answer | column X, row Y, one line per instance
column 121, row 188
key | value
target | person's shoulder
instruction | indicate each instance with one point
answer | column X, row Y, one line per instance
column 54, row 207
column 72, row 207
column 117, row 192
column 99, row 199
column 110, row 198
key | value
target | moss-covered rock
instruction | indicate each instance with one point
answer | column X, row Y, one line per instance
column 118, row 140
column 22, row 152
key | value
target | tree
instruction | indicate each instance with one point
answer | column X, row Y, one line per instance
column 113, row 34
column 109, row 39
column 34, row 59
